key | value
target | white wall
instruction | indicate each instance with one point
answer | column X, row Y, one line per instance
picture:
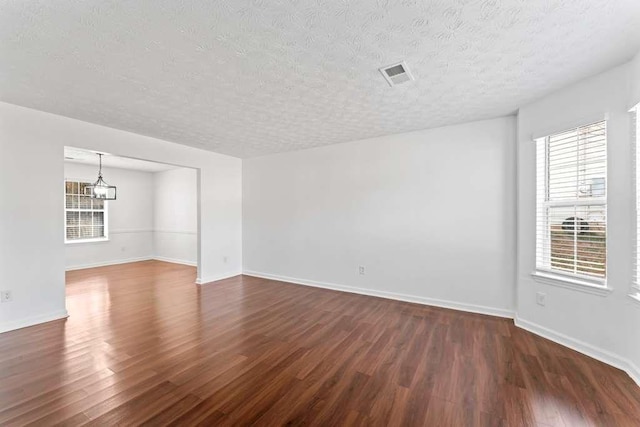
column 130, row 219
column 32, row 261
column 634, row 97
column 155, row 216
column 175, row 216
column 429, row 214
column 632, row 311
column 603, row 326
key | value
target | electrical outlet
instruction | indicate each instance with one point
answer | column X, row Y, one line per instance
column 361, row 270
column 541, row 298
column 5, row 296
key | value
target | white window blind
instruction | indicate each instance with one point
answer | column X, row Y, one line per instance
column 571, row 193
column 85, row 218
column 635, row 130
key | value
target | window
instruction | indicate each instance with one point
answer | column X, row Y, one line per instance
column 85, row 218
column 571, row 224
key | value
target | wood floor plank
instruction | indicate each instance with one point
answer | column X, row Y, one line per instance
column 173, row 411
column 144, row 345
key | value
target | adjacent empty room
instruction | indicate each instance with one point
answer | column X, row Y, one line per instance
column 152, row 213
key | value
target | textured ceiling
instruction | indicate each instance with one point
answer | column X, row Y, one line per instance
column 252, row 77
column 86, row 157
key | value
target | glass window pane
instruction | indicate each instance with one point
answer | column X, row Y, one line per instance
column 577, row 163
column 71, row 202
column 86, row 232
column 68, row 187
column 562, row 250
column 98, row 232
column 85, row 218
column 98, row 218
column 73, row 218
column 84, row 202
column 591, row 241
column 578, row 239
column 98, row 203
column 74, row 187
column 72, row 233
column 81, row 188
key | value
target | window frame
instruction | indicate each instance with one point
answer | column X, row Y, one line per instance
column 104, row 210
column 550, row 276
column 634, row 289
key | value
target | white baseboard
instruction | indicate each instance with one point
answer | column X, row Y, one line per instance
column 128, row 260
column 176, row 261
column 634, row 372
column 107, row 263
column 205, row 280
column 31, row 321
column 472, row 308
column 582, row 347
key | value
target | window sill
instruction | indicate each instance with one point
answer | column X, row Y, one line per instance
column 77, row 242
column 571, row 283
column 635, row 297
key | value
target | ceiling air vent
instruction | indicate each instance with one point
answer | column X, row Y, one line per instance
column 396, row 74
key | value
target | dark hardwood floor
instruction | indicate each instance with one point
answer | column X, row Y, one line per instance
column 144, row 345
